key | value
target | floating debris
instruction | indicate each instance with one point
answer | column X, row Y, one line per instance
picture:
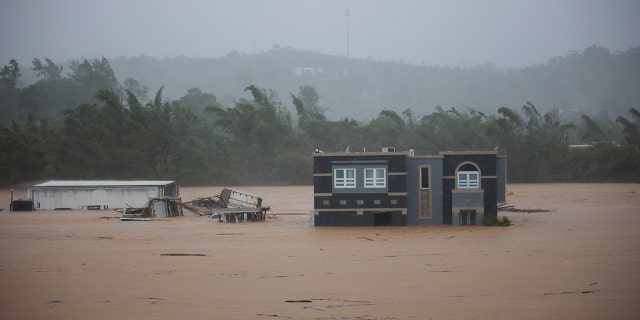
column 235, row 206
column 161, row 207
column 510, row 208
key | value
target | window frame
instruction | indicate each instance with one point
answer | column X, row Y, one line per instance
column 467, row 182
column 425, row 182
column 375, row 181
column 345, row 182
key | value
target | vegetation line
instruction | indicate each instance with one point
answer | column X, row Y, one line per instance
column 89, row 126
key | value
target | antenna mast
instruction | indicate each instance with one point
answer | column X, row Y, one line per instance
column 346, row 13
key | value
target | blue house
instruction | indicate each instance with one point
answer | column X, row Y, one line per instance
column 401, row 188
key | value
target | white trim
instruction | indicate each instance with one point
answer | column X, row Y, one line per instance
column 468, row 180
column 344, row 182
column 375, row 181
column 360, row 211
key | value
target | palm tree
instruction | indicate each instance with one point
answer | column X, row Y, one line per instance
column 631, row 129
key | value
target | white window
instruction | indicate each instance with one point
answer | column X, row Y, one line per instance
column 468, row 180
column 344, row 178
column 375, row 178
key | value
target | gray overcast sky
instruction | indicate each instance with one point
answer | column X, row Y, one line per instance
column 509, row 33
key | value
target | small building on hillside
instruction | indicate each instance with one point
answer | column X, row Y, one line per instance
column 87, row 194
column 401, row 188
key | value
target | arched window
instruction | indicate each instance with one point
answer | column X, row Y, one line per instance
column 468, row 176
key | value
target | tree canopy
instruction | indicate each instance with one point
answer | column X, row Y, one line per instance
column 105, row 130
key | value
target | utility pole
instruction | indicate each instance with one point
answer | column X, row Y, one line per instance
column 346, row 13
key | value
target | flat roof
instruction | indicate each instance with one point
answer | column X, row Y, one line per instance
column 379, row 153
column 104, row 183
column 358, row 154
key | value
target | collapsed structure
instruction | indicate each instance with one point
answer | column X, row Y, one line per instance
column 141, row 200
column 401, row 188
column 161, row 207
column 236, row 206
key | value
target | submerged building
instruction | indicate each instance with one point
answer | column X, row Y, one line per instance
column 88, row 194
column 401, row 188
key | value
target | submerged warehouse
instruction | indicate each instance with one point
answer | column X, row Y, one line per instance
column 100, row 194
column 401, row 188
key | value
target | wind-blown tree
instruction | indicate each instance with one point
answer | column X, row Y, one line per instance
column 132, row 86
column 310, row 97
column 451, row 130
column 27, row 151
column 53, row 93
column 506, row 129
column 48, row 98
column 132, row 141
column 256, row 141
column 48, row 70
column 411, row 136
column 606, row 161
column 174, row 140
column 171, row 141
column 387, row 130
column 317, row 130
column 591, row 132
column 9, row 94
column 346, row 132
column 536, row 144
column 257, row 132
column 10, row 75
column 198, row 100
column 159, row 136
column 631, row 129
column 94, row 143
column 92, row 76
column 313, row 126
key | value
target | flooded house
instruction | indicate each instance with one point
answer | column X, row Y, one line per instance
column 402, row 188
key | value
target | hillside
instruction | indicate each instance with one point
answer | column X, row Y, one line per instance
column 591, row 81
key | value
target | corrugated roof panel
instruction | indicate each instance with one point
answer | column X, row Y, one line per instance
column 103, row 183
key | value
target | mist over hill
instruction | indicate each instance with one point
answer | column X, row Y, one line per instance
column 593, row 80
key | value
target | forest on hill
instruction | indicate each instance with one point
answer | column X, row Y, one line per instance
column 87, row 124
column 591, row 81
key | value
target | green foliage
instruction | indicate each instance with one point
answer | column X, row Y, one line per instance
column 490, row 220
column 27, row 150
column 132, row 86
column 86, row 126
column 256, row 142
column 9, row 75
column 53, row 93
column 309, row 97
column 632, row 129
column 96, row 74
column 47, row 71
column 293, row 168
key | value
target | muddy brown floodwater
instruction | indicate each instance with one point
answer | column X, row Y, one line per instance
column 581, row 260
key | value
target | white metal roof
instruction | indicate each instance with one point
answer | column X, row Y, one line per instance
column 103, row 183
